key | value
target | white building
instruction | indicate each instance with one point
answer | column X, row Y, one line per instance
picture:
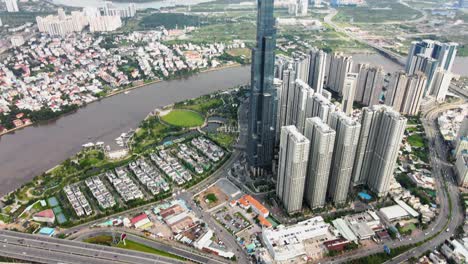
column 440, row 85
column 11, row 5
column 62, row 24
column 370, row 84
column 379, row 142
column 461, row 167
column 322, row 139
column 293, row 157
column 413, row 95
column 17, row 40
column 317, row 68
column 104, row 23
column 349, row 89
column 340, row 65
column 111, row 10
column 346, row 140
column 396, row 90
column 286, row 243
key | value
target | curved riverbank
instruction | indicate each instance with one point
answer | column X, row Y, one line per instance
column 119, row 92
column 31, row 151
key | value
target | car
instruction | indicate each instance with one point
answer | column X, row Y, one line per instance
column 448, row 229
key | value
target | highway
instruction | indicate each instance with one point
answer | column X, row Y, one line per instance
column 397, row 58
column 444, row 219
column 44, row 249
column 154, row 244
column 187, row 195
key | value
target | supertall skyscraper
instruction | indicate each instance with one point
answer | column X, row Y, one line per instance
column 346, row 140
column 379, row 142
column 292, row 168
column 322, row 139
column 262, row 114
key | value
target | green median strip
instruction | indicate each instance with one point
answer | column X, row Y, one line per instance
column 130, row 245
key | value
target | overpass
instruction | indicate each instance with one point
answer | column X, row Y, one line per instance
column 43, row 249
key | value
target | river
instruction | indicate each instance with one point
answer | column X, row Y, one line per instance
column 33, row 150
column 460, row 65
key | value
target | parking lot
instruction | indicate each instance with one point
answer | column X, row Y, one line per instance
column 233, row 220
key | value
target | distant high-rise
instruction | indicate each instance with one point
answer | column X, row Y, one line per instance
column 396, row 90
column 346, row 140
column 300, row 107
column 287, row 97
column 303, row 5
column 262, row 114
column 321, row 107
column 340, row 65
column 413, row 94
column 301, row 65
column 462, row 3
column 370, row 84
column 11, row 5
column 292, row 168
column 349, row 89
column 379, row 142
column 443, row 53
column 317, row 3
column 317, row 68
column 426, row 65
column 322, row 139
column 461, row 141
column 278, row 83
column 440, row 84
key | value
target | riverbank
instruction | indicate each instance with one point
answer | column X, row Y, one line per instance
column 120, row 91
column 32, row 151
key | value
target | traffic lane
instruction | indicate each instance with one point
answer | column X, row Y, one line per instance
column 151, row 243
column 48, row 255
column 84, row 249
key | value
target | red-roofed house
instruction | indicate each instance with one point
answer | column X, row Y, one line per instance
column 46, row 216
column 248, row 201
column 141, row 221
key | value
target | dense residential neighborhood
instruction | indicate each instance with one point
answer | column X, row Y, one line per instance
column 51, row 75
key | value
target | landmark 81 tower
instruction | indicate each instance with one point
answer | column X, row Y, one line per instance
column 262, row 114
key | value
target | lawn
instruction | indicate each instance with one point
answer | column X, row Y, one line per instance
column 407, row 229
column 240, row 52
column 131, row 245
column 183, row 118
column 416, row 140
column 223, row 139
column 377, row 11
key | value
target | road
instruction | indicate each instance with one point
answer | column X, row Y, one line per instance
column 444, row 219
column 44, row 249
column 443, row 174
column 390, row 54
column 187, row 195
column 154, row 244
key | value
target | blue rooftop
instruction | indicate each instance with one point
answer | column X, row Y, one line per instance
column 47, row 231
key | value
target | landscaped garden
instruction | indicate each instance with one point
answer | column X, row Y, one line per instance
column 153, row 133
column 183, row 118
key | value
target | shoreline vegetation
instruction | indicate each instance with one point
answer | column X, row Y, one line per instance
column 223, row 67
column 150, row 136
